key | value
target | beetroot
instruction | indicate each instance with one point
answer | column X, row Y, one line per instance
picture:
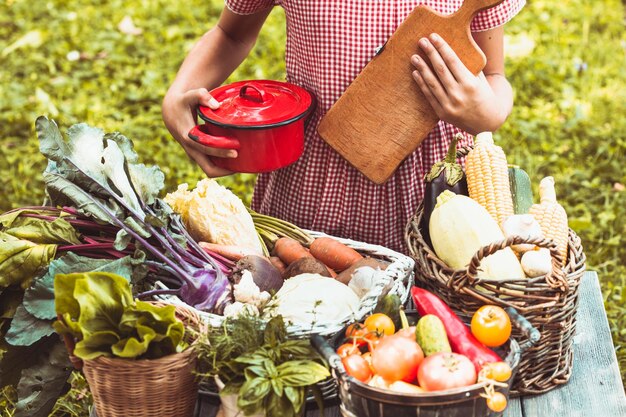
column 265, row 275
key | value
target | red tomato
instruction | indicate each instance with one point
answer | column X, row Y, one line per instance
column 443, row 371
column 409, row 333
column 397, row 358
column 368, row 358
column 380, row 323
column 356, row 331
column 348, row 349
column 357, row 367
column 491, row 325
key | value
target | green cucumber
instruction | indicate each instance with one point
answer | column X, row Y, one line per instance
column 521, row 190
column 431, row 335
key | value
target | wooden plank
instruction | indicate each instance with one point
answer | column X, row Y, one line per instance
column 513, row 409
column 595, row 388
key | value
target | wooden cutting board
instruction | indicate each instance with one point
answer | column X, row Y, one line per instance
column 382, row 117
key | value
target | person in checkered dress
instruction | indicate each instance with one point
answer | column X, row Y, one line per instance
column 328, row 44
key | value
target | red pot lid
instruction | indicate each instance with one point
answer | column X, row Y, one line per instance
column 258, row 104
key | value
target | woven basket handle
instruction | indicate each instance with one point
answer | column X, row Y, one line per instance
column 555, row 279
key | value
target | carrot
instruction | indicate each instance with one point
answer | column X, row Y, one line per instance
column 289, row 250
column 232, row 252
column 334, row 253
column 280, row 265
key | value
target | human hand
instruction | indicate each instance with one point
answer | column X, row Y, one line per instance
column 179, row 115
column 456, row 95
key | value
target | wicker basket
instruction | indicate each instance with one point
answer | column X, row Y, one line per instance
column 397, row 279
column 548, row 302
column 164, row 387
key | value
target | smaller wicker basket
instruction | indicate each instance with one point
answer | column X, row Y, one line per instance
column 164, row 387
column 549, row 302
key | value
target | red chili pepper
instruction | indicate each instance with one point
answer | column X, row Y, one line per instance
column 461, row 338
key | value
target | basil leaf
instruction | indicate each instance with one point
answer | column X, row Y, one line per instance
column 296, row 349
column 279, row 406
column 295, row 396
column 301, row 373
column 253, row 392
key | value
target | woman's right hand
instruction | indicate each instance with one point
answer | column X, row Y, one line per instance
column 179, row 114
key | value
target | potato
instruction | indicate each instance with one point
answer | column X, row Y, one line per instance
column 306, row 266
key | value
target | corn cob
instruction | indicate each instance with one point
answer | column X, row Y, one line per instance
column 488, row 177
column 551, row 216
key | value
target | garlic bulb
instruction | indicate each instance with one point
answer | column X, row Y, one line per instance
column 525, row 226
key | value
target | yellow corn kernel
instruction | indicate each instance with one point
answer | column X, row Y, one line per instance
column 551, row 216
column 487, row 175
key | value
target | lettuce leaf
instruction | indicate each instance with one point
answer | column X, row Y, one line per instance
column 98, row 309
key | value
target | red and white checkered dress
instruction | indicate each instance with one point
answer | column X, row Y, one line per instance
column 328, row 43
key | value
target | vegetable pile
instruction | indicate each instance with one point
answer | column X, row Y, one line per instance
column 497, row 204
column 439, row 353
column 103, row 214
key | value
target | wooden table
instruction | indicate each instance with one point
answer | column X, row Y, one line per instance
column 595, row 388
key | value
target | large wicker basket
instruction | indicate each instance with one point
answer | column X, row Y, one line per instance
column 397, row 279
column 164, row 387
column 548, row 302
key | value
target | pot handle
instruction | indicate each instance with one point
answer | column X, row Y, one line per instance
column 532, row 334
column 221, row 142
column 261, row 95
column 328, row 353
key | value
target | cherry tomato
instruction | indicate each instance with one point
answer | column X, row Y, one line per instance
column 348, row 349
column 497, row 402
column 397, row 358
column 380, row 323
column 372, row 340
column 500, row 371
column 444, row 370
column 491, row 325
column 357, row 367
column 356, row 331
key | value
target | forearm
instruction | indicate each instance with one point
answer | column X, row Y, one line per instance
column 214, row 57
column 504, row 98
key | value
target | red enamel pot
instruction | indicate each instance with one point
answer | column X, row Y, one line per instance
column 263, row 120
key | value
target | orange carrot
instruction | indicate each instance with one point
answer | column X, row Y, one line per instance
column 334, row 253
column 289, row 250
column 232, row 252
column 280, row 265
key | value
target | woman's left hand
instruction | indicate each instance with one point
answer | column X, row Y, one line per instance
column 458, row 97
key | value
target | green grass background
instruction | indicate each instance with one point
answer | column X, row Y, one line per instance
column 566, row 61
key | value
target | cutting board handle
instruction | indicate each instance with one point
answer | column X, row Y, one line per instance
column 469, row 8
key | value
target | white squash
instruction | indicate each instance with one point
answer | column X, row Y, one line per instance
column 459, row 227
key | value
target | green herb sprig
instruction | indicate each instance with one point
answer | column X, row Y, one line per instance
column 269, row 372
